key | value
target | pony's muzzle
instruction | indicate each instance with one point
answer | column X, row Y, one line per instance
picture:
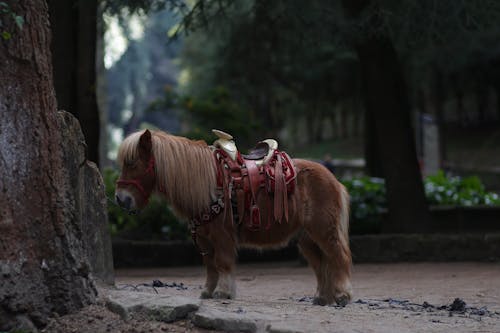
column 124, row 200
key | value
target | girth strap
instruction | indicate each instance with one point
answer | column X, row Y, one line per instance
column 254, row 179
column 280, row 193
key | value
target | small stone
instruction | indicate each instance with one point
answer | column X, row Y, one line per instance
column 5, row 270
column 458, row 305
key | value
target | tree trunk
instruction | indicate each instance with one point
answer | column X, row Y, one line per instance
column 63, row 16
column 387, row 104
column 373, row 160
column 74, row 26
column 88, row 113
column 43, row 265
column 459, row 96
column 439, row 100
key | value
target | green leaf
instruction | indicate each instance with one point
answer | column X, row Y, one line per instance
column 19, row 21
column 6, row 35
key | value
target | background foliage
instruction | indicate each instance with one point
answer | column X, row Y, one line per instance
column 368, row 200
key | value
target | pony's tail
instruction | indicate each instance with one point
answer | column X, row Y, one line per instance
column 344, row 217
column 344, row 256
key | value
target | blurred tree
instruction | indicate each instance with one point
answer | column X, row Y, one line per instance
column 387, row 103
column 77, row 31
column 145, row 72
column 74, row 41
column 275, row 58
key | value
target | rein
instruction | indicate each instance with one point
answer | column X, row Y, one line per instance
column 137, row 182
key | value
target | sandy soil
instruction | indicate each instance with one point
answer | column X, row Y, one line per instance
column 96, row 319
column 387, row 298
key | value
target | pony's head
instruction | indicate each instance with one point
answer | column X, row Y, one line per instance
column 137, row 163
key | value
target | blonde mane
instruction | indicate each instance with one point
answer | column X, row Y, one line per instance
column 185, row 170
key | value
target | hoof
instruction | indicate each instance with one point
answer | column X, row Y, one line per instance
column 222, row 295
column 205, row 294
column 319, row 301
column 342, row 300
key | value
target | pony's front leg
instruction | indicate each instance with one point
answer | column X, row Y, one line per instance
column 217, row 240
column 212, row 276
column 205, row 245
column 224, row 264
column 224, row 250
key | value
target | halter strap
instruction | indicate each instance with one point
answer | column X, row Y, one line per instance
column 137, row 182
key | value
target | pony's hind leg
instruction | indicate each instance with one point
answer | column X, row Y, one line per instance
column 329, row 229
column 312, row 253
column 334, row 271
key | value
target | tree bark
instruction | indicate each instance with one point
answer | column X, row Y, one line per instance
column 88, row 112
column 387, row 104
column 74, row 27
column 373, row 161
column 43, row 265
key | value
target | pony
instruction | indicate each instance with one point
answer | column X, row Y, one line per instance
column 184, row 172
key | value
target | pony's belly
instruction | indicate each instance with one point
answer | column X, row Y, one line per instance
column 278, row 235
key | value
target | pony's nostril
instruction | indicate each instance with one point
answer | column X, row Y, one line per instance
column 126, row 202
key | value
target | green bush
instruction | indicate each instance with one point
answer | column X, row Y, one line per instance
column 368, row 197
column 154, row 222
column 368, row 202
column 441, row 189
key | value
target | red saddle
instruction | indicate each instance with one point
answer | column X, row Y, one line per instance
column 244, row 181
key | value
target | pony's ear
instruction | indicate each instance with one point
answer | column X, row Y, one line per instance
column 145, row 145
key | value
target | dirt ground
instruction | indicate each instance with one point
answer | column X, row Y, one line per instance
column 402, row 297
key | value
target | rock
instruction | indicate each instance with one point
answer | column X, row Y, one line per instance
column 282, row 328
column 55, row 228
column 214, row 319
column 154, row 307
column 89, row 198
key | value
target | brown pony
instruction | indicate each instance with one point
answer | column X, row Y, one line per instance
column 184, row 172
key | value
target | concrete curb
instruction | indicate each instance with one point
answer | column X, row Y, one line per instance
column 365, row 249
column 425, row 247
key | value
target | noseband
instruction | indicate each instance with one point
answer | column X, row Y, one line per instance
column 137, row 182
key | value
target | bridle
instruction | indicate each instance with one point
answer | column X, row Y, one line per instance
column 137, row 182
